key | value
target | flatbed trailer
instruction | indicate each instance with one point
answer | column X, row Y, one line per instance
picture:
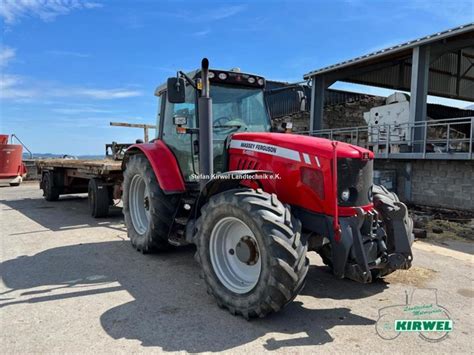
column 101, row 179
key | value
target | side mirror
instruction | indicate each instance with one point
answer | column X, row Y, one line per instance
column 176, row 90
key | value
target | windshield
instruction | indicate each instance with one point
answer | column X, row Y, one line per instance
column 235, row 109
column 238, row 107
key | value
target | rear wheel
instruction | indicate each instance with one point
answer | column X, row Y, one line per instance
column 251, row 252
column 14, row 184
column 148, row 212
column 50, row 192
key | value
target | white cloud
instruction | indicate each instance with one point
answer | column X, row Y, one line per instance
column 215, row 14
column 80, row 110
column 6, row 55
column 47, row 10
column 224, row 12
column 457, row 12
column 11, row 88
column 104, row 94
column 20, row 88
column 202, row 33
column 69, row 53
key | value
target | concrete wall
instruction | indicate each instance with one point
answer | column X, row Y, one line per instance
column 440, row 183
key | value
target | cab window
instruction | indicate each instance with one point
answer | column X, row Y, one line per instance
column 181, row 144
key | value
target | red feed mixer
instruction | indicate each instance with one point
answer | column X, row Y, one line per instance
column 12, row 169
column 254, row 202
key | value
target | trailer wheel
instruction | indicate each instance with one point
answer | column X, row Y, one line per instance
column 13, row 184
column 98, row 198
column 251, row 252
column 50, row 192
column 147, row 210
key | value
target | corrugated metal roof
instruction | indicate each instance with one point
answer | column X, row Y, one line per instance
column 390, row 50
column 451, row 65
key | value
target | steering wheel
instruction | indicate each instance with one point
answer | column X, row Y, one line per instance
column 221, row 120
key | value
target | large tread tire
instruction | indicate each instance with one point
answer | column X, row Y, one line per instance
column 162, row 208
column 50, row 192
column 282, row 251
column 98, row 198
column 384, row 200
column 380, row 190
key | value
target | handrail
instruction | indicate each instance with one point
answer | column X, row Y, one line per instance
column 23, row 145
column 453, row 137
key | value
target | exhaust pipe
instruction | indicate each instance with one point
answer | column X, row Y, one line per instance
column 206, row 157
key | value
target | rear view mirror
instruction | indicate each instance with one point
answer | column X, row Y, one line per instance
column 176, row 90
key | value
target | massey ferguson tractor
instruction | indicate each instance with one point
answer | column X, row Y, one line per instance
column 254, row 202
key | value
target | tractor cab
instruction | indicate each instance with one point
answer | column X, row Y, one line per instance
column 238, row 105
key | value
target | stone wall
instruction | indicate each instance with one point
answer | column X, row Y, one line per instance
column 350, row 114
column 438, row 183
column 340, row 115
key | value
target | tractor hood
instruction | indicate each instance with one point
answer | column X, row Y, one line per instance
column 292, row 145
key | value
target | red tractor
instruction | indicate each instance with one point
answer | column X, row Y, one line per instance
column 255, row 202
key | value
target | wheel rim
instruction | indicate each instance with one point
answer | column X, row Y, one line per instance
column 139, row 204
column 235, row 255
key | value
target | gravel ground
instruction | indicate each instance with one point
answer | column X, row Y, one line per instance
column 73, row 284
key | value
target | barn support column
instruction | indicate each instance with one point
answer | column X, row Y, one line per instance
column 317, row 103
column 419, row 92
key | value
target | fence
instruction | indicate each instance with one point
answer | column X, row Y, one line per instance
column 433, row 139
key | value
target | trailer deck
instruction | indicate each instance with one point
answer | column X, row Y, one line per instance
column 101, row 179
column 83, row 167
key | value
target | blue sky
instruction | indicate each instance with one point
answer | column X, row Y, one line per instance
column 69, row 67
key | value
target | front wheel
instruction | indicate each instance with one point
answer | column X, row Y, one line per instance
column 251, row 252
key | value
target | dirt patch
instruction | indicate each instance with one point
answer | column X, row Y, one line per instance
column 466, row 292
column 450, row 230
column 415, row 276
column 441, row 224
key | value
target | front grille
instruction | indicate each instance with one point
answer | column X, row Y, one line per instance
column 356, row 176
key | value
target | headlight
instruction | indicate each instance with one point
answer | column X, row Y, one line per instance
column 345, row 195
column 260, row 81
column 222, row 76
column 251, row 80
column 211, row 75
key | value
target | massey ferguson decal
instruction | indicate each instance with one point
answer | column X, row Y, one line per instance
column 267, row 149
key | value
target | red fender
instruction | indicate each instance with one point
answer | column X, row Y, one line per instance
column 163, row 163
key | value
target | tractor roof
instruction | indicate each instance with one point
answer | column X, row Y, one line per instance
column 230, row 73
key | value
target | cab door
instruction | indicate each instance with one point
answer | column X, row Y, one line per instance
column 181, row 144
